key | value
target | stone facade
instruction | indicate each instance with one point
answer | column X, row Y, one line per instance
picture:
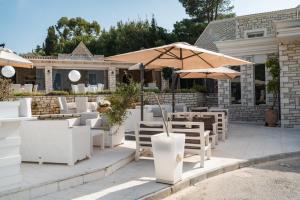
column 290, row 84
column 224, row 91
column 278, row 30
column 247, row 85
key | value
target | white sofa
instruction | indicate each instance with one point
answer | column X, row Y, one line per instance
column 54, row 141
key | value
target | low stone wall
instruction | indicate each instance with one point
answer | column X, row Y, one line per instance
column 43, row 105
column 247, row 113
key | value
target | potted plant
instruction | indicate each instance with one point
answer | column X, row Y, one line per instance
column 271, row 114
column 9, row 109
column 168, row 150
column 114, row 117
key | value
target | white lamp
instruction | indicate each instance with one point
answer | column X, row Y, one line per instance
column 74, row 75
column 8, row 71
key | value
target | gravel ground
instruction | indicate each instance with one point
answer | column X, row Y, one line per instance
column 277, row 180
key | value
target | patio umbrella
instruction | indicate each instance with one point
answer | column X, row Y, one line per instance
column 8, row 57
column 178, row 55
column 219, row 73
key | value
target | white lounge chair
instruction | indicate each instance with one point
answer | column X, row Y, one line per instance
column 82, row 105
column 65, row 107
column 100, row 87
column 75, row 89
column 82, row 88
column 35, row 88
column 54, row 141
column 28, row 88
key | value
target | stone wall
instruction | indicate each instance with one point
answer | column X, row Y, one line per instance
column 189, row 99
column 289, row 56
column 43, row 105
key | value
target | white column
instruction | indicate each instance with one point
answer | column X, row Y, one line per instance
column 112, row 81
column 48, row 79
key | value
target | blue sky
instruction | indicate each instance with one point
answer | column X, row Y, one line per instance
column 24, row 22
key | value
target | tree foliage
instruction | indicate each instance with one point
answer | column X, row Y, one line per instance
column 66, row 34
column 207, row 10
column 273, row 85
column 188, row 30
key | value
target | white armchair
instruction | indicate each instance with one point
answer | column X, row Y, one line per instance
column 97, row 135
column 54, row 141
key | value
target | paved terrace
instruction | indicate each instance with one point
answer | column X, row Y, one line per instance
column 136, row 180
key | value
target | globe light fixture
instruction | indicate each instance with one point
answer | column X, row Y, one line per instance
column 8, row 71
column 74, row 75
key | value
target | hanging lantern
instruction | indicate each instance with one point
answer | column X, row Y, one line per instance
column 74, row 75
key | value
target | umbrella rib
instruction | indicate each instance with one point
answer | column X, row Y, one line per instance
column 192, row 55
column 202, row 59
column 169, row 54
column 158, row 57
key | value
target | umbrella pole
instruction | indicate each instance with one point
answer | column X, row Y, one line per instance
column 142, row 77
column 174, row 80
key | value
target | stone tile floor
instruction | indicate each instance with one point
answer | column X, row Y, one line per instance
column 137, row 179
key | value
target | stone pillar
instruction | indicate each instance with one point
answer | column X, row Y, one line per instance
column 224, row 93
column 112, row 81
column 289, row 58
column 48, row 79
column 247, row 85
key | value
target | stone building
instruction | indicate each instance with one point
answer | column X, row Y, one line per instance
column 51, row 72
column 255, row 38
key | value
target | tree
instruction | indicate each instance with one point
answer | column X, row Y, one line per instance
column 67, row 33
column 188, row 30
column 207, row 10
column 130, row 36
column 50, row 42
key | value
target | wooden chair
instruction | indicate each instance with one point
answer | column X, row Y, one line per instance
column 143, row 133
column 196, row 139
column 209, row 126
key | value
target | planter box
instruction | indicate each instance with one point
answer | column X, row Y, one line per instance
column 115, row 136
column 168, row 157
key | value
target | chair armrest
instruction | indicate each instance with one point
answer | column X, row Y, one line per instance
column 73, row 122
column 206, row 133
column 94, row 123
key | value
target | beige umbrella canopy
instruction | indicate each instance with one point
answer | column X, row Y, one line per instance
column 178, row 55
column 219, row 73
column 8, row 57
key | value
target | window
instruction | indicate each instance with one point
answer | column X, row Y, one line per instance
column 255, row 33
column 260, row 84
column 236, row 87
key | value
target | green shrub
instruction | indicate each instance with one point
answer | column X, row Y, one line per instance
column 28, row 94
column 4, row 89
column 122, row 99
column 199, row 88
column 58, row 93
